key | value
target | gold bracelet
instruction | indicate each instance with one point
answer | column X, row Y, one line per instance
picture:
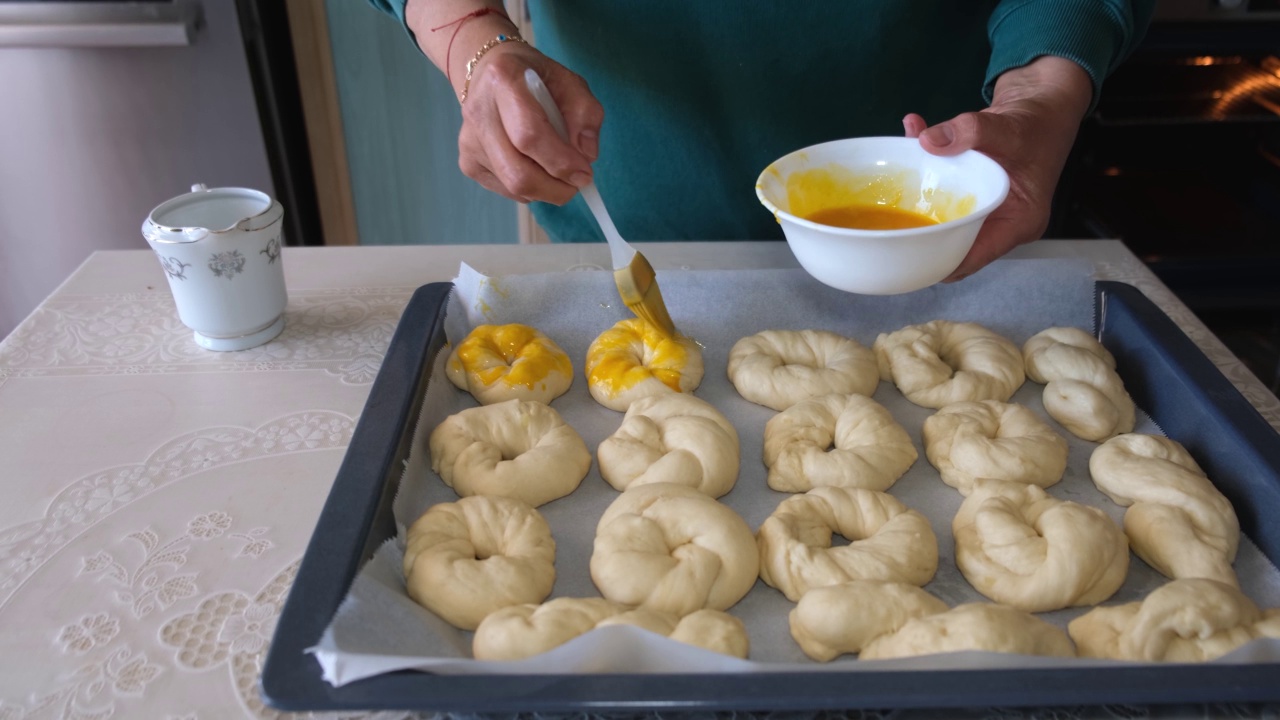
column 471, row 64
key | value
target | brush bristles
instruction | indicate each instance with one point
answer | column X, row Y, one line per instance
column 638, row 287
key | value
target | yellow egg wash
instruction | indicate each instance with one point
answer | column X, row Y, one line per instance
column 513, row 354
column 613, row 361
column 878, row 200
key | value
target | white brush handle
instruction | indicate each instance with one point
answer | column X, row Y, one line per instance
column 621, row 251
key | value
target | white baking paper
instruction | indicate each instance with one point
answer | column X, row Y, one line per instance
column 379, row 628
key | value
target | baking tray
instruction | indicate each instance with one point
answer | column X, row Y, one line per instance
column 1164, row 371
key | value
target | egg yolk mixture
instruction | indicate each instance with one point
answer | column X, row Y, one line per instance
column 513, row 354
column 885, row 199
column 870, row 217
column 617, row 363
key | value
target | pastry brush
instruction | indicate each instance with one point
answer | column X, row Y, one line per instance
column 634, row 276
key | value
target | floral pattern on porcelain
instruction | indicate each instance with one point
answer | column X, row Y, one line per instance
column 227, row 264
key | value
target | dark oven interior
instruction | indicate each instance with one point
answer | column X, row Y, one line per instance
column 1181, row 161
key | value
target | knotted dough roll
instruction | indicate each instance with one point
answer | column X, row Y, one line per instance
column 1083, row 392
column 496, row 363
column 1019, row 546
column 779, row 368
column 1189, row 620
column 887, row 620
column 1177, row 520
column 992, row 440
column 466, row 559
column 634, row 359
column 888, row 541
column 520, row 449
column 941, row 362
column 836, row 440
column 673, row 438
column 521, row 631
column 673, row 549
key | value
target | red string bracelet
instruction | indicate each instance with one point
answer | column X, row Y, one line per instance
column 457, row 25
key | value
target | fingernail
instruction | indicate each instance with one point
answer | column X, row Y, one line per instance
column 589, row 144
column 939, row 135
column 579, row 179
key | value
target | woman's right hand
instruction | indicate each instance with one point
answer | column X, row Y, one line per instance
column 507, row 144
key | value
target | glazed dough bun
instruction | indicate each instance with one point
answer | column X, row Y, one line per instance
column 521, row 631
column 466, row 559
column 888, row 620
column 992, row 440
column 520, row 449
column 1177, row 520
column 634, row 359
column 1191, row 620
column 496, row 363
column 942, row 362
column 836, row 440
column 1019, row 546
column 672, row 438
column 779, row 368
column 1083, row 392
column 888, row 541
column 673, row 549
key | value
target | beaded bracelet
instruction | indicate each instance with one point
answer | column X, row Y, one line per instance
column 471, row 64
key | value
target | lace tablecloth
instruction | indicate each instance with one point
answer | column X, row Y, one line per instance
column 158, row 497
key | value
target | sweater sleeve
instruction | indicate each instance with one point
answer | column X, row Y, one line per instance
column 394, row 8
column 1095, row 34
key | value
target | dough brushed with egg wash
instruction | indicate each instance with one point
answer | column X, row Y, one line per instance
column 634, row 359
column 496, row 363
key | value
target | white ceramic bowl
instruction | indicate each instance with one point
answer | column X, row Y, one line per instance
column 958, row 191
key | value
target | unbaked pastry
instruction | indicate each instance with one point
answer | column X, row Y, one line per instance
column 496, row 363
column 887, row 541
column 839, row 440
column 466, row 559
column 518, row 448
column 673, row 549
column 634, row 359
column 1177, row 520
column 992, row 440
column 941, row 362
column 973, row 626
column 779, row 368
column 1019, row 546
column 673, row 438
column 521, row 631
column 1190, row 620
column 1082, row 390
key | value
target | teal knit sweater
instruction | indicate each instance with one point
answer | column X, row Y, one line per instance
column 700, row 96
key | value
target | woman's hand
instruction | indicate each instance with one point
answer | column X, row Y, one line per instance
column 1029, row 129
column 506, row 143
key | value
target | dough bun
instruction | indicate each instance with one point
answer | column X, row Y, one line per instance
column 941, row 362
column 466, row 559
column 779, row 368
column 497, row 363
column 634, row 359
column 993, row 440
column 518, row 448
column 672, row 438
column 1082, row 390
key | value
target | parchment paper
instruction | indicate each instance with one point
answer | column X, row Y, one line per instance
column 380, row 629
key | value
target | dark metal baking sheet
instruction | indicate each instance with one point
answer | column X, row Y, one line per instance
column 1164, row 371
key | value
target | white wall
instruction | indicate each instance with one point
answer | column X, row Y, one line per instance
column 92, row 139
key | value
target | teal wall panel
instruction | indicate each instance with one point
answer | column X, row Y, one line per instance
column 400, row 122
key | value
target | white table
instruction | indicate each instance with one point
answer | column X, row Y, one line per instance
column 158, row 497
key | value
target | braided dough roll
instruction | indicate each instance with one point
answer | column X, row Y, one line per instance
column 1082, row 390
column 836, row 440
column 941, row 362
column 779, row 368
column 520, row 449
column 521, row 631
column 888, row 620
column 1177, row 520
column 991, row 440
column 1189, row 620
column 466, row 559
column 1019, row 546
column 888, row 541
column 672, row 438
column 634, row 359
column 496, row 363
column 673, row 549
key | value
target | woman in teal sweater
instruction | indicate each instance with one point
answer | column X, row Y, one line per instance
column 675, row 106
